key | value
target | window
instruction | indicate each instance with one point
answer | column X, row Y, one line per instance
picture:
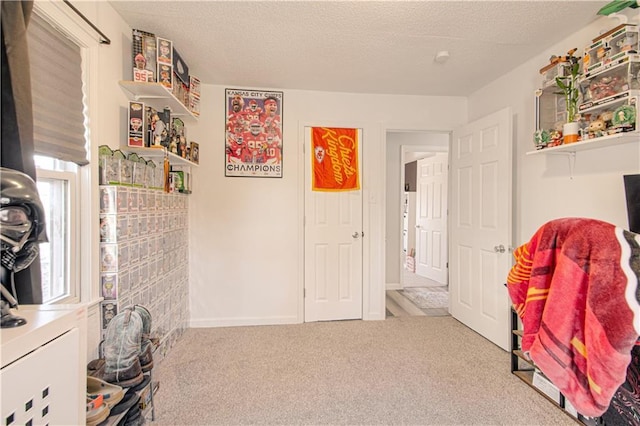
column 57, row 189
column 62, row 61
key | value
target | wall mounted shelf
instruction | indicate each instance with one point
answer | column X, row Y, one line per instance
column 601, row 142
column 156, row 96
column 174, row 160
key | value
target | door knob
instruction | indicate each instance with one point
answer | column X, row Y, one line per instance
column 356, row 235
column 499, row 249
column 418, row 226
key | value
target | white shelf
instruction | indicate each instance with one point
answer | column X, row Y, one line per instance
column 156, row 96
column 146, row 153
column 601, row 142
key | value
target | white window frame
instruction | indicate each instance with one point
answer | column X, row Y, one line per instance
column 73, row 238
column 85, row 246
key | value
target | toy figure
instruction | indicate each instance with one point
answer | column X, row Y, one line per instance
column 596, row 128
column 555, row 138
column 23, row 228
column 541, row 138
column 626, row 43
column 140, row 61
column 624, row 117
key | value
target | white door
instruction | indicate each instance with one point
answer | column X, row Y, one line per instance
column 333, row 248
column 431, row 217
column 480, row 226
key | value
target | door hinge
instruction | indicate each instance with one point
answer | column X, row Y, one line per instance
column 304, row 293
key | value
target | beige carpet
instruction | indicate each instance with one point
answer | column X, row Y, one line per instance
column 409, row 371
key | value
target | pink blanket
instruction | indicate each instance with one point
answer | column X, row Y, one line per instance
column 575, row 287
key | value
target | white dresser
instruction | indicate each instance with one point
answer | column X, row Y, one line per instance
column 43, row 376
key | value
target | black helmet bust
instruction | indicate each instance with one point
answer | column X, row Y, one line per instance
column 22, row 228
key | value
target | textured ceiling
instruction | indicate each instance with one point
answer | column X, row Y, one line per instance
column 383, row 47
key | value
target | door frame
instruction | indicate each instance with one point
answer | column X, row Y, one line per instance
column 303, row 165
column 404, row 128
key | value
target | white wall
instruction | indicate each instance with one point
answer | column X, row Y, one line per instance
column 246, row 233
column 544, row 188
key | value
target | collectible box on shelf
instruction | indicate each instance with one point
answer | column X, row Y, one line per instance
column 180, row 68
column 611, row 81
column 180, row 90
column 194, row 86
column 554, row 69
column 144, row 56
column 194, row 96
column 610, row 48
column 611, row 116
column 165, row 51
column 194, row 152
column 118, row 170
column 624, row 41
column 551, row 113
column 194, row 105
column 159, row 127
column 137, row 124
column 165, row 75
column 109, row 286
column 108, row 228
column 139, row 166
column 594, row 56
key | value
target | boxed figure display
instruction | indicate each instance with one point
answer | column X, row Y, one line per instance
column 611, row 81
column 108, row 228
column 109, row 310
column 159, row 127
column 194, row 152
column 194, row 86
column 595, row 55
column 121, row 172
column 180, row 89
column 623, row 41
column 165, row 51
column 123, row 256
column 144, row 56
column 610, row 48
column 123, row 199
column 138, row 166
column 180, row 68
column 105, row 170
column 136, row 124
column 109, row 257
column 109, row 286
column 165, row 75
column 108, row 197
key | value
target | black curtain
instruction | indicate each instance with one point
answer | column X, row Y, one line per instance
column 17, row 120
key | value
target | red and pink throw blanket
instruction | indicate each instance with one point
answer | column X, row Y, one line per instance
column 575, row 287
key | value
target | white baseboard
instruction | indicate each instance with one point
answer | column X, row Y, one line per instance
column 236, row 322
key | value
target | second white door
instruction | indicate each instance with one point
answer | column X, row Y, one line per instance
column 431, row 218
column 480, row 226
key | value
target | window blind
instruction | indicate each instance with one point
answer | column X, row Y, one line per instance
column 56, row 90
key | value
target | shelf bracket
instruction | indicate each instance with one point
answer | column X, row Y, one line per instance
column 571, row 156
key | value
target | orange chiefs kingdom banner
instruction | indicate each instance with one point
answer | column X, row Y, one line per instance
column 335, row 159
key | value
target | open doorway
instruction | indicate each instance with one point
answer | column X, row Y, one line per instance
column 408, row 292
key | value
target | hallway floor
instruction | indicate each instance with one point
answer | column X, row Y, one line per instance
column 397, row 305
